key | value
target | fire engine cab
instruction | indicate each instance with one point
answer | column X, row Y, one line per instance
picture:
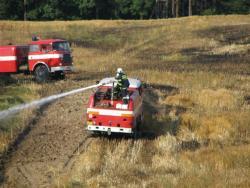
column 43, row 58
column 107, row 113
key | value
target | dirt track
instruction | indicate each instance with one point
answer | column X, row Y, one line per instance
column 56, row 136
column 52, row 145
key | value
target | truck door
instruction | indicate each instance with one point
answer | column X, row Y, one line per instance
column 34, row 55
column 40, row 54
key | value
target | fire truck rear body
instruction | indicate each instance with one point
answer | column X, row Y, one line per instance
column 108, row 115
column 12, row 57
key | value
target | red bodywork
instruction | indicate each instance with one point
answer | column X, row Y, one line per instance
column 55, row 54
column 107, row 115
column 42, row 51
column 11, row 57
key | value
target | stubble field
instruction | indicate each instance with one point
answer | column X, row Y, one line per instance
column 197, row 106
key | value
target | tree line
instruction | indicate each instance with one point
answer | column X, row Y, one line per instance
column 116, row 9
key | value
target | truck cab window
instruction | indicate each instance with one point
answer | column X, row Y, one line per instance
column 61, row 46
column 34, row 48
column 45, row 48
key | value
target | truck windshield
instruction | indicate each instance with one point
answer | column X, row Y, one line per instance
column 61, row 46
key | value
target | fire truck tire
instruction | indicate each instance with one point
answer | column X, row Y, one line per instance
column 41, row 74
column 59, row 75
column 95, row 133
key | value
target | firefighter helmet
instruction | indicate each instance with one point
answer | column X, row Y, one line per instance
column 119, row 70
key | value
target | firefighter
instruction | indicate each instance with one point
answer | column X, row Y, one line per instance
column 35, row 38
column 121, row 88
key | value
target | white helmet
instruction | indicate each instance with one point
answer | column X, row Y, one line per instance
column 119, row 70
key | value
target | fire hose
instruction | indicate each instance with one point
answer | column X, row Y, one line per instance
column 16, row 109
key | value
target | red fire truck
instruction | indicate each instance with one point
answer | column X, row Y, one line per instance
column 43, row 58
column 108, row 114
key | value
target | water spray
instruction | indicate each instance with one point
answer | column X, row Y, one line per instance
column 43, row 101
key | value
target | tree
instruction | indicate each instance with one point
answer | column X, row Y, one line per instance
column 166, row 13
column 176, row 8
column 122, row 9
column 86, row 8
column 173, row 8
column 11, row 9
column 116, row 9
column 233, row 6
column 104, row 9
column 3, row 8
column 25, row 10
column 141, row 9
column 190, row 7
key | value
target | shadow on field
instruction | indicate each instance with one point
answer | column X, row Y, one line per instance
column 229, row 53
column 104, row 39
column 247, row 99
column 228, row 39
column 20, row 79
column 205, row 57
column 158, row 120
column 85, row 75
column 156, row 115
column 6, row 80
column 88, row 43
column 229, row 34
column 165, row 89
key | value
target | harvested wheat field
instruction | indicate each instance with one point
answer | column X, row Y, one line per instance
column 197, row 106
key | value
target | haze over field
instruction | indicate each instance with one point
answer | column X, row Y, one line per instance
column 197, row 106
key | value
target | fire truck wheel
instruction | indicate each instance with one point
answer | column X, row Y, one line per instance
column 41, row 73
column 95, row 133
column 59, row 75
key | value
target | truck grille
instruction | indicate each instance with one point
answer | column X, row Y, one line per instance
column 67, row 58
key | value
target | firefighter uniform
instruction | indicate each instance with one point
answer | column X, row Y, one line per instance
column 122, row 85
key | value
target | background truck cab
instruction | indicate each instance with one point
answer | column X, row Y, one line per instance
column 51, row 56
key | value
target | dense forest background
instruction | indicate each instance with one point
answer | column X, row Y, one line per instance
column 116, row 9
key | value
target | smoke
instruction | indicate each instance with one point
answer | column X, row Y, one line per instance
column 14, row 110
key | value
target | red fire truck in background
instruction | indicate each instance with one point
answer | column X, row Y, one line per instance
column 43, row 58
column 109, row 114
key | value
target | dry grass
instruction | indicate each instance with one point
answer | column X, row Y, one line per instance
column 219, row 99
column 205, row 58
